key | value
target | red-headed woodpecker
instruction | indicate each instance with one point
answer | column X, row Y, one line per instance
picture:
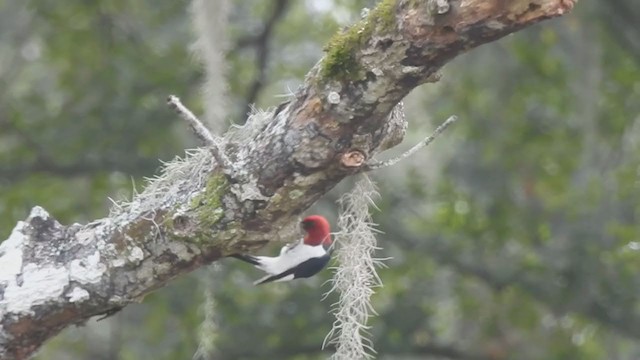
column 302, row 259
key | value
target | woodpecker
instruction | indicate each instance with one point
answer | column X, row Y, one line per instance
column 302, row 259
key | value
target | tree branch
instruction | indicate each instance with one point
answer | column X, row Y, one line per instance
column 196, row 125
column 200, row 131
column 424, row 143
column 52, row 276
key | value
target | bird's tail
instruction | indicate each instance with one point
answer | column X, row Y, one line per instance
column 278, row 277
column 246, row 258
column 264, row 279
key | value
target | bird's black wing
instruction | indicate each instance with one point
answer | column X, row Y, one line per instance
column 305, row 269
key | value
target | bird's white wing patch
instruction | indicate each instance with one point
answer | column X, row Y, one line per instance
column 293, row 257
column 284, row 249
column 290, row 246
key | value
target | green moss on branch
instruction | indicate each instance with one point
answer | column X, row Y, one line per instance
column 209, row 203
column 198, row 223
column 341, row 60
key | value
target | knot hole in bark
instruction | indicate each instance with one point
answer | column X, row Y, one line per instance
column 180, row 223
column 353, row 159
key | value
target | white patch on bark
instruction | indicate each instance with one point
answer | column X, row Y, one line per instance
column 411, row 69
column 136, row 255
column 88, row 270
column 333, row 98
column 38, row 212
column 38, row 285
column 77, row 294
column 84, row 237
column 11, row 253
column 118, row 262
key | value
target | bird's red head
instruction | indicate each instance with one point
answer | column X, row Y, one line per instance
column 318, row 230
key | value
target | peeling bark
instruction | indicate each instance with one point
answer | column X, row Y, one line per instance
column 52, row 276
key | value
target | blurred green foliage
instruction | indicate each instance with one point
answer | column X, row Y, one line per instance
column 515, row 236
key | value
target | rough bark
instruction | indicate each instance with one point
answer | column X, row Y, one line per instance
column 52, row 276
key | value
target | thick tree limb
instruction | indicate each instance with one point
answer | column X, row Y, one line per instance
column 52, row 276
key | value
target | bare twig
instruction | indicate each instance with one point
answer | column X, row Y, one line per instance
column 197, row 126
column 418, row 146
column 199, row 129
